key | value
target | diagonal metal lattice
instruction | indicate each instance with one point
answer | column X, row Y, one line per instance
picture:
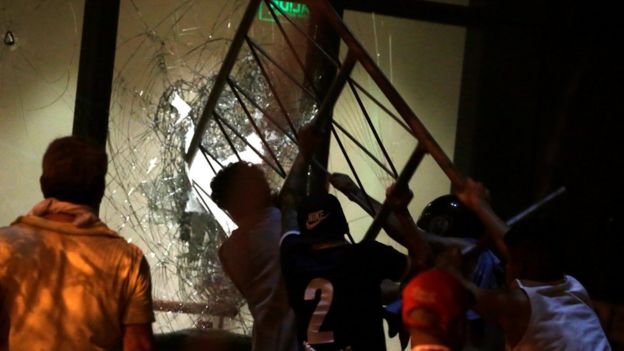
column 342, row 83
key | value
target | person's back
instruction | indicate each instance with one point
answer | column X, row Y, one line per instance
column 68, row 282
column 250, row 256
column 555, row 301
column 334, row 287
column 543, row 309
column 64, row 287
column 561, row 318
column 258, row 243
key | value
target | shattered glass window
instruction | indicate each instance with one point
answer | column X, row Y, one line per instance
column 168, row 56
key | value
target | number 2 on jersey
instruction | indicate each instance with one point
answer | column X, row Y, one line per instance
column 315, row 336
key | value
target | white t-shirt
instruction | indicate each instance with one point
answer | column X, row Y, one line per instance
column 250, row 257
column 561, row 318
column 69, row 288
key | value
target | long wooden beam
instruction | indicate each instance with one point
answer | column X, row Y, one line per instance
column 421, row 133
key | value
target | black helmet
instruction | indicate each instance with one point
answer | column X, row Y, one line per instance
column 447, row 216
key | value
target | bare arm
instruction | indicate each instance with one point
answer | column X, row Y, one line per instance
column 294, row 188
column 418, row 250
column 138, row 337
column 394, row 225
column 474, row 195
column 509, row 309
column 399, row 225
column 345, row 184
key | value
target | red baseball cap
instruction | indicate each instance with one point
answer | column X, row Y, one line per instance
column 437, row 292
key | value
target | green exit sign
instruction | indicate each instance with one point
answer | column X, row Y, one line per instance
column 291, row 9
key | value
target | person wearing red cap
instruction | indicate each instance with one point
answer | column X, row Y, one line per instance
column 445, row 223
column 434, row 311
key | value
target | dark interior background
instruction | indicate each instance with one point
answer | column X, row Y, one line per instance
column 540, row 108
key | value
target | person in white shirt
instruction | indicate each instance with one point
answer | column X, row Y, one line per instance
column 543, row 308
column 250, row 256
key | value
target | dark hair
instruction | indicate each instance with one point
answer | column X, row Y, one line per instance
column 538, row 240
column 236, row 180
column 539, row 229
column 74, row 171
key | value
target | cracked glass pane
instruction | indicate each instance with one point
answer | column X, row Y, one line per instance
column 168, row 54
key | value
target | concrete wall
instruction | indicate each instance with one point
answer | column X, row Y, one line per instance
column 37, row 93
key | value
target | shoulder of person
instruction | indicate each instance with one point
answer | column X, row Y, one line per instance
column 291, row 237
column 375, row 245
column 9, row 233
column 134, row 250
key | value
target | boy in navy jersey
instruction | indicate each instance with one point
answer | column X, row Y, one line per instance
column 333, row 286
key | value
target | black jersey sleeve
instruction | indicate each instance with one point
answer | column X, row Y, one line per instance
column 385, row 261
column 291, row 246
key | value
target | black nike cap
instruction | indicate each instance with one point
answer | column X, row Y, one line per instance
column 320, row 217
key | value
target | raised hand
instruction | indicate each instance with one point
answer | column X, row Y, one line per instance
column 398, row 198
column 344, row 183
column 474, row 195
